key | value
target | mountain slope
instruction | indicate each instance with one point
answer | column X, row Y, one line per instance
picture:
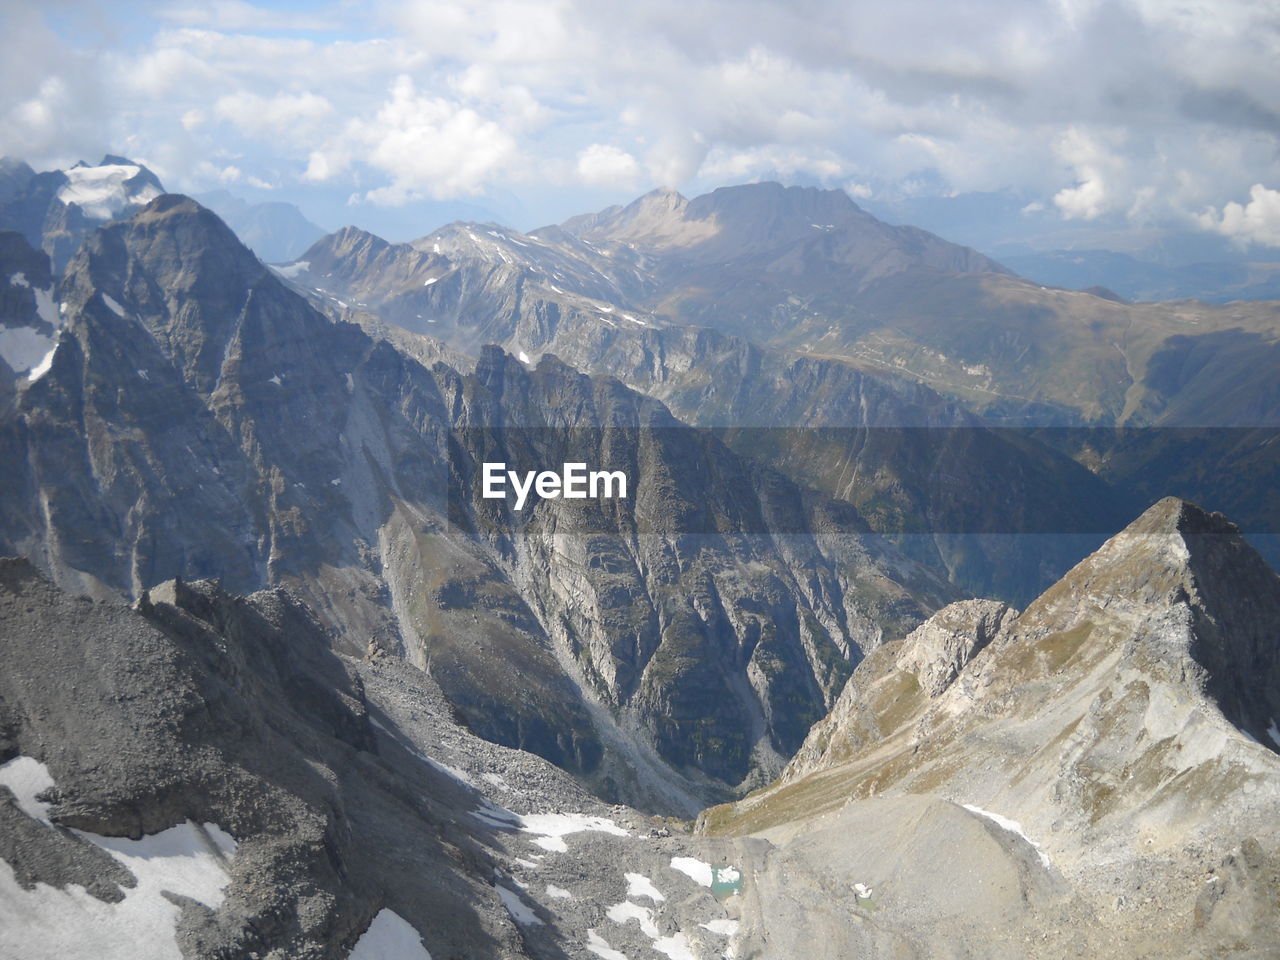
column 874, row 438
column 200, row 419
column 807, row 270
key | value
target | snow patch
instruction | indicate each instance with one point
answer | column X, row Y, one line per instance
column 725, row 927
column 47, row 923
column 19, row 279
column 27, row 778
column 275, row 379
column 675, row 946
column 389, row 937
column 600, row 947
column 638, row 885
column 47, row 309
column 553, row 827
column 620, row 913
column 1274, row 732
column 113, row 304
column 518, row 909
column 187, row 860
column 43, row 367
column 693, row 868
column 1012, row 826
column 524, row 357
column 550, row 828
column 493, row 815
column 558, row 893
column 24, row 347
column 101, row 192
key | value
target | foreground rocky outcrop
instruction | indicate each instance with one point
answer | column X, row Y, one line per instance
column 201, row 776
column 1117, row 739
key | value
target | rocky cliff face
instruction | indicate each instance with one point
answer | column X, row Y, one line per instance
column 29, row 317
column 1123, row 722
column 200, row 419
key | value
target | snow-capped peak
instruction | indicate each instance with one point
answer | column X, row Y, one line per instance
column 102, row 192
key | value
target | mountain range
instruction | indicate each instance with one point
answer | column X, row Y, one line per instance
column 281, row 680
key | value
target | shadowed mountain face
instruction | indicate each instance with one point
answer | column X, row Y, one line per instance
column 237, row 715
column 1125, row 722
column 198, row 418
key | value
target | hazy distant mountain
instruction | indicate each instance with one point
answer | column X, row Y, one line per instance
column 904, row 300
column 1136, row 279
column 274, row 230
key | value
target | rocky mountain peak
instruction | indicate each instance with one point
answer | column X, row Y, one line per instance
column 177, row 269
column 1178, row 598
column 350, row 239
column 1175, row 515
column 751, row 199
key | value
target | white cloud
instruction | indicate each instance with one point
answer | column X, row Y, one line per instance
column 1257, row 221
column 1098, row 109
column 428, row 146
column 602, row 165
column 275, row 116
column 772, row 161
column 237, row 15
column 1097, row 172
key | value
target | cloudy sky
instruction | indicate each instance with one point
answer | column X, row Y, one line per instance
column 1070, row 118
